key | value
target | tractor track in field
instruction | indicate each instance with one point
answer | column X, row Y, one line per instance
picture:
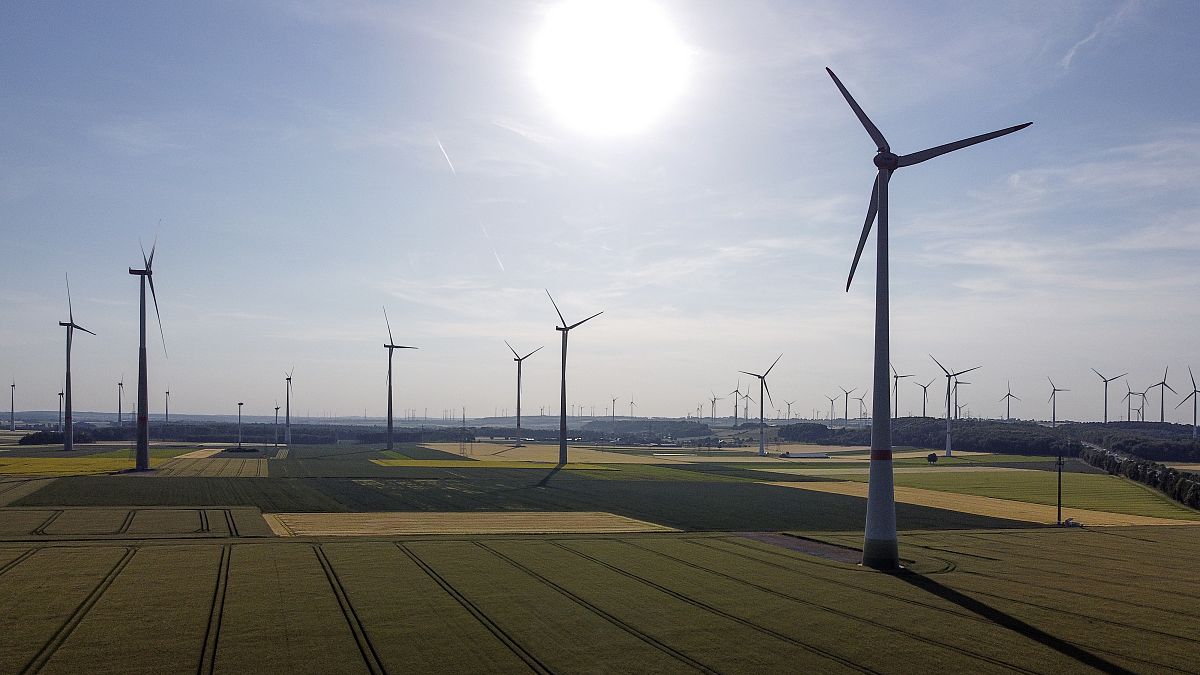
column 838, row 612
column 1163, row 571
column 203, row 513
column 40, row 530
column 719, row 612
column 628, row 628
column 231, row 523
column 216, row 612
column 906, row 600
column 17, row 561
column 64, row 631
column 492, row 627
column 124, row 528
column 370, row 655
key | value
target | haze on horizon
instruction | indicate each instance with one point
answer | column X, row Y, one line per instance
column 312, row 161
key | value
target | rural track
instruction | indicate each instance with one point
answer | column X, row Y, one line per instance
column 370, row 655
column 530, row 660
column 722, row 613
column 838, row 612
column 203, row 521
column 40, row 530
column 648, row 639
column 124, row 528
column 965, row 615
column 64, row 631
column 230, row 523
column 17, row 561
column 216, row 612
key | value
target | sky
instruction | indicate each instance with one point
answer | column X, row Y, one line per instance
column 304, row 164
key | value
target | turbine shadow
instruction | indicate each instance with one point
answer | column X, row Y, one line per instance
column 1008, row 621
column 546, row 479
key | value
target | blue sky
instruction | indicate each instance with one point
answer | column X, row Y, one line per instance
column 290, row 152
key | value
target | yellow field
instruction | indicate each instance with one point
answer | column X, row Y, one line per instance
column 23, row 466
column 500, row 464
column 866, row 469
column 491, row 522
column 489, row 452
column 989, row 506
column 204, row 453
column 252, row 468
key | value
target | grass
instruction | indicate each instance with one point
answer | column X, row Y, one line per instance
column 1099, row 492
column 979, row 601
column 24, row 466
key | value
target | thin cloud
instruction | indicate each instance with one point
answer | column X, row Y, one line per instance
column 1103, row 27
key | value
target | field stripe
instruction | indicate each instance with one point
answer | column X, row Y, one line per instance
column 127, row 522
column 229, row 522
column 963, row 614
column 530, row 660
column 16, row 561
column 370, row 655
column 719, row 612
column 41, row 529
column 661, row 646
column 212, row 632
column 60, row 636
column 832, row 610
column 203, row 520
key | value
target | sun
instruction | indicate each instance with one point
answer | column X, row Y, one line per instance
column 609, row 67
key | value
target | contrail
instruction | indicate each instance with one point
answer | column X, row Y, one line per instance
column 439, row 142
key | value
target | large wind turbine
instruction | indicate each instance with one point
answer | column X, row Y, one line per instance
column 562, row 407
column 1053, row 401
column 737, row 396
column 789, row 405
column 831, row 401
column 120, row 397
column 71, row 326
column 12, row 406
column 520, row 360
column 896, row 377
column 276, row 439
column 146, row 274
column 1008, row 399
column 1106, row 380
column 846, row 402
column 879, row 547
column 763, row 389
column 287, row 410
column 391, row 346
column 949, row 376
column 1162, row 395
column 713, row 400
column 862, row 406
column 1194, row 398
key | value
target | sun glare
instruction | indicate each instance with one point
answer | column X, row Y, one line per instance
column 609, row 67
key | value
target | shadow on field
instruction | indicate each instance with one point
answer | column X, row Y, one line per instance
column 547, row 477
column 1010, row 622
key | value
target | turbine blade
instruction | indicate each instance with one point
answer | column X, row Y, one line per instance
column 391, row 340
column 574, row 325
column 872, row 209
column 150, row 278
column 1017, row 397
column 532, row 353
column 510, row 348
column 1193, row 378
column 880, row 142
column 773, row 365
column 85, row 330
column 921, row 156
column 1185, row 399
column 767, row 389
column 150, row 260
column 1169, row 387
column 70, row 311
column 1098, row 374
column 939, row 366
column 964, row 372
column 560, row 316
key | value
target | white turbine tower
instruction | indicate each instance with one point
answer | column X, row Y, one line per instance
column 1194, row 398
column 71, row 326
column 287, row 410
column 1162, row 395
column 896, row 377
column 950, row 376
column 562, row 406
column 1008, row 399
column 925, row 394
column 880, row 545
column 520, row 360
column 763, row 389
column 391, row 346
column 145, row 275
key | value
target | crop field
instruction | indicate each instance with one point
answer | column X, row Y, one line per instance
column 976, row 601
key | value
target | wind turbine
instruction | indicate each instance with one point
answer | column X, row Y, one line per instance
column 71, row 326
column 287, row 410
column 276, row 423
column 562, row 408
column 1106, row 380
column 1194, row 398
column 737, row 396
column 862, row 406
column 60, row 398
column 239, row 425
column 763, row 389
column 713, row 400
column 1162, row 395
column 846, row 402
column 120, row 397
column 789, row 413
column 880, row 547
column 949, row 376
column 146, row 274
column 520, row 360
column 1129, row 394
column 166, row 409
column 957, row 407
column 12, row 406
column 631, row 404
column 1053, row 401
column 390, row 346
column 896, row 377
column 925, row 394
column 1008, row 399
column 831, row 400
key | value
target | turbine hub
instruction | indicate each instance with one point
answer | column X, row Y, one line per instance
column 887, row 160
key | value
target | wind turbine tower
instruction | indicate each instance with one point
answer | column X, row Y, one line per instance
column 1192, row 396
column 831, row 401
column 950, row 376
column 520, row 360
column 1008, row 399
column 925, row 394
column 737, row 396
column 562, row 408
column 713, row 401
column 1053, row 401
column 763, row 389
column 12, row 406
column 1162, row 395
column 145, row 275
column 60, row 398
column 789, row 409
column 880, row 548
column 896, row 377
column 120, row 398
column 287, row 410
column 390, row 346
column 71, row 326
column 1106, row 380
column 276, row 439
column 846, row 402
column 239, row 425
